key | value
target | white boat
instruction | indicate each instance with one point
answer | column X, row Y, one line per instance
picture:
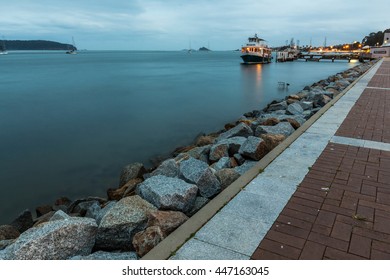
column 256, row 51
column 73, row 49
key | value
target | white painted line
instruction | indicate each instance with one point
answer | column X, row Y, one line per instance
column 378, row 88
column 360, row 143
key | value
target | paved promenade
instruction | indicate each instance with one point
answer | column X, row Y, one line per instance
column 327, row 196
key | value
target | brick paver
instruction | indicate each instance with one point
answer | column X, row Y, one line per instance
column 369, row 117
column 381, row 79
column 336, row 218
column 341, row 210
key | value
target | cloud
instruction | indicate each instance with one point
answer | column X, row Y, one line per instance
column 171, row 24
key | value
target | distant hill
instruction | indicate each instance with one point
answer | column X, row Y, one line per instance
column 35, row 45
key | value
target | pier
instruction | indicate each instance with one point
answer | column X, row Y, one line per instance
column 329, row 56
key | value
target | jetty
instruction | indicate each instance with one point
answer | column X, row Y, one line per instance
column 321, row 194
column 330, row 56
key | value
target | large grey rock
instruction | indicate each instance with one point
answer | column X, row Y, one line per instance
column 93, row 211
column 59, row 215
column 306, row 105
column 241, row 129
column 343, row 83
column 4, row 244
column 208, row 184
column 191, row 169
column 284, row 128
column 224, row 162
column 131, row 171
column 239, row 158
column 333, row 91
column 167, row 168
column 146, row 240
column 233, row 143
column 102, row 255
column 43, row 219
column 218, row 151
column 168, row 193
column 55, row 240
column 254, row 148
column 199, row 173
column 3, row 254
column 272, row 140
column 167, row 221
column 294, row 109
column 204, row 140
column 227, row 176
column 282, row 117
column 293, row 123
column 245, row 167
column 299, row 118
column 320, row 100
column 200, row 153
column 199, row 203
column 118, row 226
column 277, row 106
column 98, row 216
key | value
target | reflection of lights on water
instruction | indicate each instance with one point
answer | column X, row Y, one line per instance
column 258, row 73
column 252, row 77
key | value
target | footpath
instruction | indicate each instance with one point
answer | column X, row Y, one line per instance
column 326, row 196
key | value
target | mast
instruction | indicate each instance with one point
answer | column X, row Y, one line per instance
column 3, row 49
column 74, row 44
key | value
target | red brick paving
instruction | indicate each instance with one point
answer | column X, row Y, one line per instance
column 335, row 218
column 369, row 118
column 341, row 210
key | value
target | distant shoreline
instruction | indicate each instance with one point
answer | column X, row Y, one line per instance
column 35, row 45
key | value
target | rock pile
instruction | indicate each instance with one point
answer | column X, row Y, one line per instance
column 148, row 205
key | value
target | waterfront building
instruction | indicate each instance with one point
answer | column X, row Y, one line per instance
column 383, row 50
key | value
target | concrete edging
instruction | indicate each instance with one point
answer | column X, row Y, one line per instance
column 187, row 230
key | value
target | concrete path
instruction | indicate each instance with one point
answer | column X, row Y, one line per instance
column 326, row 196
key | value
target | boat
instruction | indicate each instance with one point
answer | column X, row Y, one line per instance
column 3, row 50
column 256, row 51
column 73, row 49
column 288, row 54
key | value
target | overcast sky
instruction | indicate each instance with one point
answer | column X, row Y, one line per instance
column 173, row 24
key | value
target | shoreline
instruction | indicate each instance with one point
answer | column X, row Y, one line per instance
column 200, row 171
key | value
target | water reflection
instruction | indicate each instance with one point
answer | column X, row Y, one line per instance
column 252, row 81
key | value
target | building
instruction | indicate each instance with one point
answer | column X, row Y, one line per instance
column 382, row 51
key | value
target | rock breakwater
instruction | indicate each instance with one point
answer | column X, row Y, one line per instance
column 147, row 205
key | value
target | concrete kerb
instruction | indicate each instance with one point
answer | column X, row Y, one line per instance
column 187, row 230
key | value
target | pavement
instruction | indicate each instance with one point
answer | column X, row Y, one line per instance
column 325, row 196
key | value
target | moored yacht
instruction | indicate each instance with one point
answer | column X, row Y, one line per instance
column 72, row 49
column 256, row 51
column 3, row 50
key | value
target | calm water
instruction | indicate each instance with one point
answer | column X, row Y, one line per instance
column 69, row 123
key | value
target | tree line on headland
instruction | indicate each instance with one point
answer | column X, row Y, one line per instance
column 374, row 39
column 21, row 45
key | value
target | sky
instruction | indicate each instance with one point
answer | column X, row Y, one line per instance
column 178, row 24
